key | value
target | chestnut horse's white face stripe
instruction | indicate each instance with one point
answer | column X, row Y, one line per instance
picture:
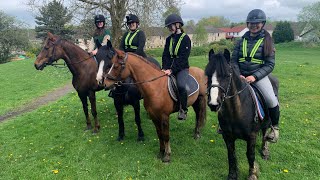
column 100, row 71
column 214, row 90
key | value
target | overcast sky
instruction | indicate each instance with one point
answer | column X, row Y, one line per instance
column 234, row 10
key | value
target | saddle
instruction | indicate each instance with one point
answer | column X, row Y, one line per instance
column 259, row 100
column 192, row 87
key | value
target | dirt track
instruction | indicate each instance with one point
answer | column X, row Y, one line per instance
column 49, row 97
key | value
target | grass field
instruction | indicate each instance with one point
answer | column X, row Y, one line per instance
column 50, row 142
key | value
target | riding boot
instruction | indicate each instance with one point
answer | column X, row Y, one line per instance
column 182, row 114
column 273, row 135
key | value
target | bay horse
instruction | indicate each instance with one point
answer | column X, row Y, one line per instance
column 230, row 96
column 84, row 69
column 153, row 84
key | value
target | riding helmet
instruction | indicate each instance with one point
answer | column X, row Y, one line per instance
column 132, row 18
column 256, row 16
column 99, row 18
column 173, row 18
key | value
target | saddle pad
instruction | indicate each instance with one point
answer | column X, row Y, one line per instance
column 192, row 86
column 257, row 103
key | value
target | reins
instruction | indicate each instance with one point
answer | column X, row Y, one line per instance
column 118, row 79
column 119, row 83
column 225, row 92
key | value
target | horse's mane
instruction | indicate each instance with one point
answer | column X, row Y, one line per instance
column 73, row 44
column 145, row 60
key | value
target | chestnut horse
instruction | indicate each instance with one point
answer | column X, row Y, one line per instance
column 232, row 98
column 84, row 70
column 153, row 84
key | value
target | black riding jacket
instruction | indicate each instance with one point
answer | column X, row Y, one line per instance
column 138, row 41
column 248, row 67
column 180, row 61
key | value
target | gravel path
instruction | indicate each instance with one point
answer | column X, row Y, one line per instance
column 36, row 103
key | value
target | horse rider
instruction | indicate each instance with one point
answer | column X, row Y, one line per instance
column 175, row 59
column 101, row 35
column 254, row 56
column 134, row 39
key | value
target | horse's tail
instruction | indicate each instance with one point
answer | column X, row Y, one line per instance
column 203, row 110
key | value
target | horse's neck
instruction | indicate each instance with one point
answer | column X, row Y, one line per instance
column 142, row 71
column 73, row 57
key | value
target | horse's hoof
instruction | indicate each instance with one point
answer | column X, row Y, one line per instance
column 140, row 139
column 89, row 127
column 252, row 177
column 232, row 177
column 166, row 159
column 160, row 155
column 197, row 136
column 120, row 138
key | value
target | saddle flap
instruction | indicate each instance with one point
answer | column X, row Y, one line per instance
column 192, row 86
column 259, row 101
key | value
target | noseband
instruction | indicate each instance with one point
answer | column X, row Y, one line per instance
column 123, row 65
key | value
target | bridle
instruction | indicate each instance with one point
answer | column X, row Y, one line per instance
column 118, row 79
column 52, row 56
column 226, row 92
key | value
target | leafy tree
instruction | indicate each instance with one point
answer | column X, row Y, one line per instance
column 215, row 21
column 311, row 16
column 53, row 18
column 201, row 34
column 283, row 32
column 13, row 36
column 147, row 10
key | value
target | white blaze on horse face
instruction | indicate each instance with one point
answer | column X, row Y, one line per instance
column 100, row 71
column 214, row 90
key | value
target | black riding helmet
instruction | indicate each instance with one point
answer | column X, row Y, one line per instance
column 173, row 18
column 132, row 18
column 256, row 16
column 99, row 18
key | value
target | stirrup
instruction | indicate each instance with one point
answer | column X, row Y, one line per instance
column 273, row 135
column 182, row 114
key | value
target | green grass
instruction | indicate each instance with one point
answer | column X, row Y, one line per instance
column 21, row 82
column 52, row 137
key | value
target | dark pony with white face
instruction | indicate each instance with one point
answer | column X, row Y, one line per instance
column 230, row 96
column 124, row 93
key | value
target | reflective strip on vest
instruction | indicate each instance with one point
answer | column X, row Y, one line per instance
column 253, row 51
column 177, row 46
column 128, row 44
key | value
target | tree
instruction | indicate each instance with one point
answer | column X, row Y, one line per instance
column 311, row 16
column 53, row 18
column 13, row 36
column 201, row 34
column 283, row 32
column 149, row 12
column 215, row 21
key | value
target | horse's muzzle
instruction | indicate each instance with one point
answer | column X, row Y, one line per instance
column 40, row 67
column 214, row 108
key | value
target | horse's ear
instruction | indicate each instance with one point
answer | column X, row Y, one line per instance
column 109, row 44
column 226, row 54
column 51, row 37
column 120, row 54
column 211, row 52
